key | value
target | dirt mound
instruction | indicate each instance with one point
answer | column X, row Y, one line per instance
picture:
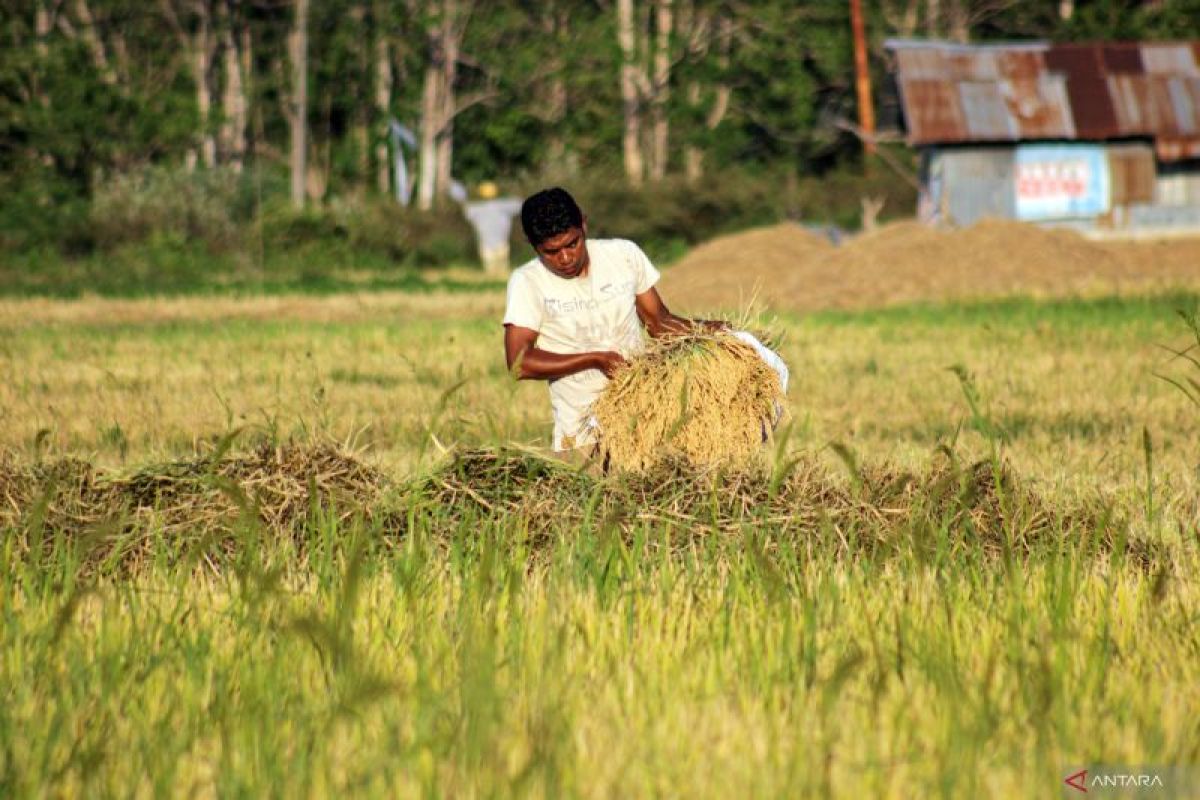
column 907, row 262
column 731, row 270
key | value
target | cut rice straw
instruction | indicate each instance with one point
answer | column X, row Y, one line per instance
column 707, row 398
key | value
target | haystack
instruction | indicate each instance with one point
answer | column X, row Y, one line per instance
column 707, row 398
column 203, row 501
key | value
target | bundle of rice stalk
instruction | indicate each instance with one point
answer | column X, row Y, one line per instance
column 707, row 398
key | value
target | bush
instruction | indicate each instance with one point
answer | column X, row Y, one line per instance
column 442, row 237
column 161, row 229
column 41, row 212
column 375, row 231
column 205, row 205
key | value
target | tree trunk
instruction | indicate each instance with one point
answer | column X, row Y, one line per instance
column 694, row 156
column 451, row 43
column 662, row 90
column 551, row 107
column 439, row 105
column 94, row 44
column 631, row 110
column 445, row 158
column 320, row 153
column 933, row 18
column 246, row 52
column 958, row 21
column 430, row 109
column 298, row 118
column 383, row 98
column 1066, row 9
column 234, row 104
column 43, row 24
column 198, row 52
column 694, row 28
column 202, row 72
column 361, row 115
column 909, row 23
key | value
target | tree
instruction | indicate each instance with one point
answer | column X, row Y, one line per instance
column 298, row 110
column 382, row 47
column 633, row 78
column 191, row 22
column 707, row 33
column 237, row 65
column 444, row 26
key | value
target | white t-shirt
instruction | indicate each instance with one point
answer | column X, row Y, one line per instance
column 577, row 315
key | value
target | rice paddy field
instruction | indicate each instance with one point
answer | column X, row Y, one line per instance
column 306, row 546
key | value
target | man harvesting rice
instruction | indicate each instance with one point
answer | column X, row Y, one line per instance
column 576, row 312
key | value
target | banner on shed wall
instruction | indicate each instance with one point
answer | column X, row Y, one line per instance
column 1060, row 181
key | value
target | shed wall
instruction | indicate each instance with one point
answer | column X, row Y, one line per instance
column 1178, row 186
column 969, row 184
column 966, row 184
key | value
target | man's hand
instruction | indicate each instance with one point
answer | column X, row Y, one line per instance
column 712, row 325
column 609, row 362
column 526, row 361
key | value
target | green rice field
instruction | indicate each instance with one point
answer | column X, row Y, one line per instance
column 966, row 568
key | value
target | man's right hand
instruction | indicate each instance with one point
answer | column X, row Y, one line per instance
column 528, row 362
column 609, row 362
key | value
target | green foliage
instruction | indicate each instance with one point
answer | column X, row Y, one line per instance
column 631, row 647
column 41, row 210
column 99, row 114
column 170, row 230
column 204, row 206
column 376, row 228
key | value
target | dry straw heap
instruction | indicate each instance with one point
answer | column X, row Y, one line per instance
column 209, row 510
column 202, row 501
column 798, row 506
column 908, row 262
column 707, row 398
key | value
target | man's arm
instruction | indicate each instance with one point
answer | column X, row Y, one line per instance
column 659, row 320
column 528, row 362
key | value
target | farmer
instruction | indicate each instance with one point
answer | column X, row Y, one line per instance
column 491, row 217
column 577, row 311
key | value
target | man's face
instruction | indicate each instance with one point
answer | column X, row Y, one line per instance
column 565, row 254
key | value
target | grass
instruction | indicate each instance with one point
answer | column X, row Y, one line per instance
column 694, row 652
column 174, row 269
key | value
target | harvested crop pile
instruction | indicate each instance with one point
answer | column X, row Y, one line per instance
column 275, row 488
column 909, row 262
column 501, row 483
column 707, row 398
column 952, row 508
column 197, row 508
column 906, row 261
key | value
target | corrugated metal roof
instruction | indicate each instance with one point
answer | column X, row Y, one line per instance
column 1037, row 90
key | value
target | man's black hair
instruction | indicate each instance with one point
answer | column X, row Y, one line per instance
column 549, row 213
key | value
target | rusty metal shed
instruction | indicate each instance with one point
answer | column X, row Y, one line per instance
column 954, row 93
column 1105, row 135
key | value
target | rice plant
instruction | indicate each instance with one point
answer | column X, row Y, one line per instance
column 276, row 612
